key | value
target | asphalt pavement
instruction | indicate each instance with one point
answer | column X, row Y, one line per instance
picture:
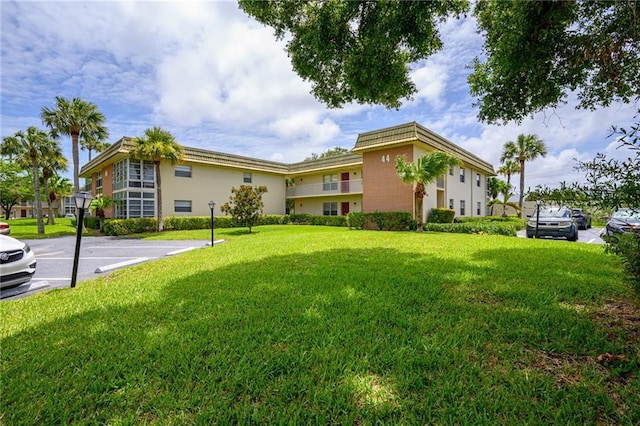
column 588, row 236
column 98, row 255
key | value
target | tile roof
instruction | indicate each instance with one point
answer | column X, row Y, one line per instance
column 414, row 132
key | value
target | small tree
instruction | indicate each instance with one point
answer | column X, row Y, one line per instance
column 99, row 204
column 245, row 205
column 505, row 190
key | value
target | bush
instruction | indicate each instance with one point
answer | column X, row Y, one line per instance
column 473, row 228
column 91, row 222
column 274, row 219
column 441, row 216
column 517, row 222
column 356, row 220
column 627, row 246
column 130, row 226
column 391, row 221
column 299, row 218
column 184, row 223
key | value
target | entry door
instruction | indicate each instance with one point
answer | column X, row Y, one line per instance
column 344, row 208
column 345, row 183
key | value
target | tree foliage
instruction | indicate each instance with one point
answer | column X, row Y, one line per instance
column 354, row 51
column 328, row 153
column 245, row 205
column 567, row 194
column 78, row 119
column 535, row 52
column 538, row 51
column 424, row 170
column 613, row 183
column 506, row 190
column 16, row 185
column 99, row 204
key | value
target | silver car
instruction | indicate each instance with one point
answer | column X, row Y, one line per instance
column 553, row 222
column 17, row 262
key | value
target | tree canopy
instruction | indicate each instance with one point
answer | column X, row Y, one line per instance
column 328, row 153
column 534, row 53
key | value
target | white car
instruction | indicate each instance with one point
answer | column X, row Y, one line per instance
column 17, row 262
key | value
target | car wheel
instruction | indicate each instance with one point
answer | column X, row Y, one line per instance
column 574, row 237
column 589, row 225
column 529, row 235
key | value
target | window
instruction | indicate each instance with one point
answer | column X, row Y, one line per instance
column 247, row 177
column 182, row 171
column 461, row 174
column 462, row 206
column 132, row 204
column 330, row 209
column 99, row 182
column 451, row 171
column 478, row 208
column 451, row 203
column 330, row 182
column 478, row 180
column 141, row 174
column 182, row 206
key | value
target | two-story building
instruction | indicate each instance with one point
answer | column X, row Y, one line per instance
column 362, row 180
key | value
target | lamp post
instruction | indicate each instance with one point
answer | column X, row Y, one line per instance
column 83, row 201
column 212, row 204
column 537, row 215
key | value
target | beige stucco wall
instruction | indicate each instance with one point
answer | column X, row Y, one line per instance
column 215, row 183
column 468, row 191
column 316, row 178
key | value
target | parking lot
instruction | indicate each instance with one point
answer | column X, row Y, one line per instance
column 98, row 255
column 588, row 236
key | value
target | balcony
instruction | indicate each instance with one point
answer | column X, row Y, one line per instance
column 344, row 187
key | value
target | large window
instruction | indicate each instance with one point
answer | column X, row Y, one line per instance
column 182, row 171
column 141, row 174
column 330, row 182
column 247, row 177
column 182, row 206
column 132, row 204
column 462, row 207
column 330, row 209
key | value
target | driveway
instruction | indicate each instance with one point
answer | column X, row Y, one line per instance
column 588, row 236
column 98, row 255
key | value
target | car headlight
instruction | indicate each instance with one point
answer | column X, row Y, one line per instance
column 564, row 224
column 532, row 223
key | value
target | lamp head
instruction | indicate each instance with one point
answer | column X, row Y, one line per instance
column 82, row 199
column 212, row 204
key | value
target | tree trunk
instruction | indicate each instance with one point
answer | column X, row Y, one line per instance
column 76, row 161
column 51, row 215
column 36, row 190
column 521, row 200
column 159, row 197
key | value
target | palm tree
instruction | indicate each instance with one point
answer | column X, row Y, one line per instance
column 425, row 170
column 493, row 186
column 94, row 142
column 157, row 145
column 52, row 163
column 99, row 204
column 28, row 148
column 59, row 187
column 525, row 148
column 508, row 168
column 505, row 190
column 75, row 118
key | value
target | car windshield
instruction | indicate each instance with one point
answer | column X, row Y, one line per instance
column 576, row 211
column 555, row 212
column 627, row 214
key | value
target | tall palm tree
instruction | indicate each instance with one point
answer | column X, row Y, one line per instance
column 157, row 145
column 74, row 118
column 28, row 148
column 525, row 148
column 52, row 162
column 94, row 142
column 508, row 168
column 425, row 170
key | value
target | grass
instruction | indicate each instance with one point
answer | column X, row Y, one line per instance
column 322, row 325
column 28, row 228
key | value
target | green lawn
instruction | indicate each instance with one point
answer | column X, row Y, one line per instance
column 28, row 228
column 319, row 325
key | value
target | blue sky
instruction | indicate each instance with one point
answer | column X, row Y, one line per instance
column 220, row 81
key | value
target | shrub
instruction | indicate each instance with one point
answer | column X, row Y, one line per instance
column 473, row 228
column 91, row 222
column 299, row 218
column 274, row 219
column 517, row 222
column 184, row 223
column 130, row 226
column 441, row 216
column 327, row 220
column 627, row 246
column 391, row 221
column 356, row 220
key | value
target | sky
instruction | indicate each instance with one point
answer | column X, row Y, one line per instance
column 219, row 80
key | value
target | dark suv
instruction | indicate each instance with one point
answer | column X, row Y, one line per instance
column 582, row 218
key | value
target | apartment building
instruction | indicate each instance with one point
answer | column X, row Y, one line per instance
column 362, row 180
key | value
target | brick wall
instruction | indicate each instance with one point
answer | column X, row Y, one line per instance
column 382, row 189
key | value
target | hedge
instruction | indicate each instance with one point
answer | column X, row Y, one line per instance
column 383, row 221
column 477, row 227
column 441, row 216
column 130, row 226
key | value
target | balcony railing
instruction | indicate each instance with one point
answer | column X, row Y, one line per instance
column 353, row 186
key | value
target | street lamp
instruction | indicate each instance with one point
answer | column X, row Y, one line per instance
column 83, row 201
column 212, row 204
column 537, row 215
